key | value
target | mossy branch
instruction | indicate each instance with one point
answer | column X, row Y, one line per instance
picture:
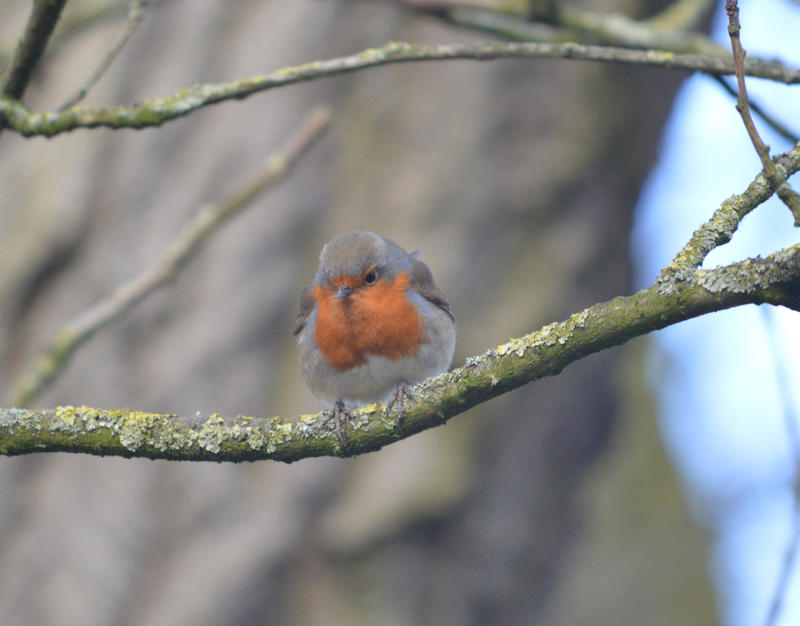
column 774, row 279
column 681, row 291
column 150, row 113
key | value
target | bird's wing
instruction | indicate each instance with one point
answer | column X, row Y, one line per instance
column 422, row 283
column 306, row 306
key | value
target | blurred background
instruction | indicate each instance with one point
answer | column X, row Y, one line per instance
column 519, row 182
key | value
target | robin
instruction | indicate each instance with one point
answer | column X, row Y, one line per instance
column 371, row 323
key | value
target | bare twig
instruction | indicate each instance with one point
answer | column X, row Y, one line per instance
column 175, row 255
column 770, row 120
column 781, row 187
column 41, row 22
column 152, row 113
column 135, row 16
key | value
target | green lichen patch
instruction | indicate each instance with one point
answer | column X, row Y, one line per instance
column 212, row 434
column 279, row 432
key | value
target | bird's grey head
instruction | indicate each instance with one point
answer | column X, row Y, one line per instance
column 352, row 254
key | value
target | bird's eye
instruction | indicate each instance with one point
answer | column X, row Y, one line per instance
column 371, row 277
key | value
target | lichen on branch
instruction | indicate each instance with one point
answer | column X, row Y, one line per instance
column 774, row 279
column 154, row 112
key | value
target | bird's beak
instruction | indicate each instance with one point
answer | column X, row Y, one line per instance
column 343, row 291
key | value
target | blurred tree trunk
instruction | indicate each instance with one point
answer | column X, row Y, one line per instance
column 516, row 180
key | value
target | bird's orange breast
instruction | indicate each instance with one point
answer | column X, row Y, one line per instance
column 377, row 319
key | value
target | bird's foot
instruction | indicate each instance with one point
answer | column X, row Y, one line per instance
column 402, row 392
column 340, row 415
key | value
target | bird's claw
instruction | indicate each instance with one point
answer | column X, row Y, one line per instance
column 340, row 415
column 402, row 392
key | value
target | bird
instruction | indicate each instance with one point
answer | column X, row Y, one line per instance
column 372, row 322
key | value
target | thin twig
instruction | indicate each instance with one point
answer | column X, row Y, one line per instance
column 781, row 187
column 152, row 113
column 135, row 16
column 41, row 22
column 776, row 125
column 175, row 255
column 719, row 229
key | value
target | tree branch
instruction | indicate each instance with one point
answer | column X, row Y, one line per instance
column 680, row 292
column 135, row 16
column 43, row 19
column 82, row 17
column 774, row 279
column 774, row 123
column 723, row 223
column 156, row 112
column 666, row 31
column 187, row 242
column 782, row 188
